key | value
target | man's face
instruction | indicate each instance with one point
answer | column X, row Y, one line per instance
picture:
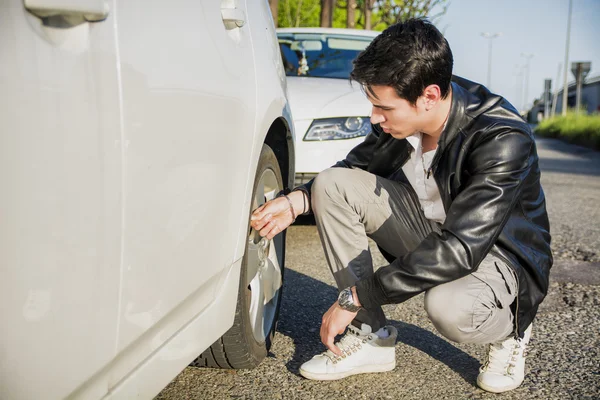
column 395, row 115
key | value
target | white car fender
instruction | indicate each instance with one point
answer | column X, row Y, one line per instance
column 271, row 104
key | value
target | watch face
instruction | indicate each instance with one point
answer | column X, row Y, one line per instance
column 345, row 300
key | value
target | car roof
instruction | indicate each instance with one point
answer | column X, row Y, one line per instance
column 337, row 31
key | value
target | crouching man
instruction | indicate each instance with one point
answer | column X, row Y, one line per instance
column 448, row 186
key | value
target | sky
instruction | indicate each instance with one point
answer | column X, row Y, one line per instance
column 537, row 27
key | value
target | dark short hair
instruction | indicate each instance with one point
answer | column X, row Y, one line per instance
column 408, row 56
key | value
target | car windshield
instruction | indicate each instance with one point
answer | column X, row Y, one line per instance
column 320, row 55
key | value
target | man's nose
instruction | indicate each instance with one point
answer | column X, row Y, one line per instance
column 376, row 118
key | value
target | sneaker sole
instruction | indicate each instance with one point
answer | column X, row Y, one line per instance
column 368, row 369
column 495, row 389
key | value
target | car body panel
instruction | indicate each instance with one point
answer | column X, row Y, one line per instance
column 161, row 366
column 175, row 119
column 272, row 101
column 128, row 177
column 61, row 206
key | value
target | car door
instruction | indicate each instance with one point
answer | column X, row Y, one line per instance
column 61, row 202
column 188, row 91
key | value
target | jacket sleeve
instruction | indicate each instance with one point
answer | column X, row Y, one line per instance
column 498, row 165
column 359, row 157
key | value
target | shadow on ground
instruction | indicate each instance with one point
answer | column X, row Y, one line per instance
column 316, row 297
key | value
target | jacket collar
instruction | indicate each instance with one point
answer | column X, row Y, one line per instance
column 456, row 116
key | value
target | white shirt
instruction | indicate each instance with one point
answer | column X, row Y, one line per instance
column 415, row 170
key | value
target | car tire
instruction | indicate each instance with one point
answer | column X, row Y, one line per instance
column 248, row 341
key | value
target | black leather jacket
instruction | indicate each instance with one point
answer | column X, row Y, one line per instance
column 486, row 168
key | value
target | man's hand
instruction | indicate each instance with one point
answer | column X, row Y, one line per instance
column 335, row 321
column 275, row 216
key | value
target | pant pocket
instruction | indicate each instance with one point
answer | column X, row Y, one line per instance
column 493, row 323
column 500, row 279
column 507, row 296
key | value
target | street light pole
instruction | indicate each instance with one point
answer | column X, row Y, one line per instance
column 565, row 85
column 518, row 73
column 553, row 113
column 528, row 57
column 490, row 37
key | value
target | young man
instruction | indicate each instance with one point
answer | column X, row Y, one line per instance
column 448, row 185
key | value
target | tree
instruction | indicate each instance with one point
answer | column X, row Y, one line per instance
column 379, row 14
column 327, row 13
column 350, row 14
column 368, row 14
column 368, row 9
column 294, row 13
column 388, row 12
column 274, row 4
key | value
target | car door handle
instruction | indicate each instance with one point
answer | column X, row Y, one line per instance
column 88, row 10
column 233, row 15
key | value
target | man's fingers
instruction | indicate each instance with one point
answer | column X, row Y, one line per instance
column 263, row 211
column 331, row 346
column 270, row 207
column 270, row 230
column 261, row 223
column 270, row 213
column 327, row 337
column 274, row 230
column 258, row 213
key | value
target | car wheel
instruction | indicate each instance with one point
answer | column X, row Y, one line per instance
column 247, row 342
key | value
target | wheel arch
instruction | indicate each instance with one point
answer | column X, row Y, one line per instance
column 281, row 140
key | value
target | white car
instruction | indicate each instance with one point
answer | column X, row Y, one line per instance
column 331, row 115
column 136, row 137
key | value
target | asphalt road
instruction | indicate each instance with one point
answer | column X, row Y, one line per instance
column 564, row 359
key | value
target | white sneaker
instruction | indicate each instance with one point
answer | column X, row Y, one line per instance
column 363, row 352
column 505, row 367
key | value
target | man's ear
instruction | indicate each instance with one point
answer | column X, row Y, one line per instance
column 432, row 94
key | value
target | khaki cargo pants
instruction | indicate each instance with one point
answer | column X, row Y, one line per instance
column 351, row 205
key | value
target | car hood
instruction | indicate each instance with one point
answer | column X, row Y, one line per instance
column 312, row 98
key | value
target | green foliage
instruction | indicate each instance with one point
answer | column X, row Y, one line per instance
column 339, row 15
column 295, row 13
column 388, row 12
column 307, row 13
column 582, row 129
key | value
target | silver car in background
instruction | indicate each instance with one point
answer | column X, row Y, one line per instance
column 136, row 138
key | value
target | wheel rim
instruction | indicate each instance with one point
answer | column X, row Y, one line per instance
column 263, row 268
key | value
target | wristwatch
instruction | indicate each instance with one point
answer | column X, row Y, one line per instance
column 346, row 301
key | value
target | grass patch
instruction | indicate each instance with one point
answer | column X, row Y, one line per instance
column 583, row 129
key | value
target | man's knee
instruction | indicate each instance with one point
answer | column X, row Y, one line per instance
column 454, row 313
column 328, row 183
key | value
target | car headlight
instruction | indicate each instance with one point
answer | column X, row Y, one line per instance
column 338, row 128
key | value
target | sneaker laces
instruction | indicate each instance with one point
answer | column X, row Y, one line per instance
column 503, row 357
column 349, row 344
